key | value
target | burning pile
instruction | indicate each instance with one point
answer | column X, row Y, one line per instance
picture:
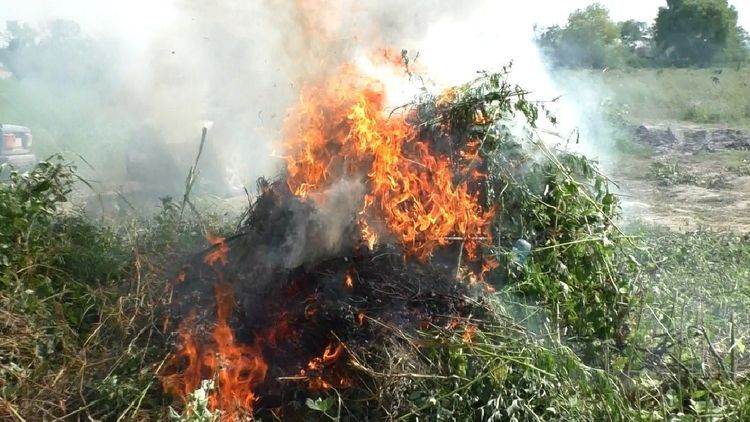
column 269, row 333
column 329, row 249
column 381, row 228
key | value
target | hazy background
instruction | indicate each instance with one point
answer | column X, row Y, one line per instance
column 151, row 73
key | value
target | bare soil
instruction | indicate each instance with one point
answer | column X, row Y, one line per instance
column 706, row 152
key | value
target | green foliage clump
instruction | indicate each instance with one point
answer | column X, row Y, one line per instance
column 590, row 39
column 197, row 406
column 554, row 201
column 28, row 203
column 696, row 32
column 504, row 371
column 563, row 209
column 82, row 303
column 687, row 354
column 670, row 173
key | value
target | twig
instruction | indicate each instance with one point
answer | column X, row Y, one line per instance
column 79, row 410
column 192, row 174
column 143, row 394
column 13, row 410
column 294, row 378
column 126, row 201
column 732, row 339
column 358, row 365
column 714, row 352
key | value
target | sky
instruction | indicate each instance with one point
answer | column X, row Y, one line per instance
column 141, row 18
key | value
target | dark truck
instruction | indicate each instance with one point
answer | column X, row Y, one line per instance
column 15, row 146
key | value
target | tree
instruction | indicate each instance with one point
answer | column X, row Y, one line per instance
column 637, row 37
column 589, row 39
column 694, row 32
column 60, row 52
column 633, row 32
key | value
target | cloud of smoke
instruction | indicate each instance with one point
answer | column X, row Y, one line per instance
column 240, row 64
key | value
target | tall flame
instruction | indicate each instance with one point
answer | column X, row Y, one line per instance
column 340, row 129
column 235, row 368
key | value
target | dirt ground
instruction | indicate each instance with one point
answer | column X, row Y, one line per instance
column 717, row 164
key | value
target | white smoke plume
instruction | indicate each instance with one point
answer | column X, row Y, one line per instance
column 240, row 63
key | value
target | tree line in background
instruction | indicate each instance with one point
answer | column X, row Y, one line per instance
column 686, row 33
column 57, row 51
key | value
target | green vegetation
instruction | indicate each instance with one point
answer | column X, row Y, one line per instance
column 742, row 169
column 82, row 311
column 696, row 32
column 590, row 40
column 553, row 201
column 686, row 33
column 671, row 173
column 692, row 322
column 58, row 51
column 706, row 96
column 63, row 119
column 62, row 88
column 81, row 303
column 589, row 322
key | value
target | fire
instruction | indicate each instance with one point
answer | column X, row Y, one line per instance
column 446, row 97
column 416, row 193
column 314, row 371
column 340, row 129
column 219, row 254
column 368, row 235
column 469, row 333
column 235, row 368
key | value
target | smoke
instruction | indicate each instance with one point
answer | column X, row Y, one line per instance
column 327, row 230
column 240, row 65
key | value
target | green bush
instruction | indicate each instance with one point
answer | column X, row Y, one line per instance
column 554, row 201
column 82, row 303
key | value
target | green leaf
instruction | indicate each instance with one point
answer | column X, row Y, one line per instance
column 319, row 404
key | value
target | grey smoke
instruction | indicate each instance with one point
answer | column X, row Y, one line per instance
column 240, row 64
column 330, row 229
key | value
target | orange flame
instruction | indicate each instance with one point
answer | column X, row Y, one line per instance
column 469, row 333
column 368, row 235
column 313, row 372
column 421, row 197
column 220, row 252
column 339, row 129
column 235, row 368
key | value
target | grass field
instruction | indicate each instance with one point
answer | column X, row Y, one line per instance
column 705, row 96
